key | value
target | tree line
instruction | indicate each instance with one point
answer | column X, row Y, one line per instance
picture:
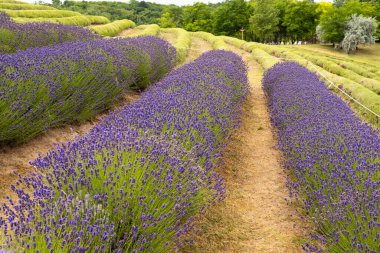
column 263, row 20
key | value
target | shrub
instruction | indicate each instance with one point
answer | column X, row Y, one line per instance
column 50, row 86
column 40, row 13
column 359, row 30
column 332, row 158
column 182, row 44
column 216, row 42
column 114, row 28
column 139, row 178
column 146, row 30
column 75, row 20
column 17, row 36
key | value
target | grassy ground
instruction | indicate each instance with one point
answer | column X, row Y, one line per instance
column 366, row 54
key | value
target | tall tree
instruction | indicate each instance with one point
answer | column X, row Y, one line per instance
column 167, row 20
column 331, row 26
column 264, row 21
column 230, row 16
column 198, row 17
column 300, row 20
column 333, row 22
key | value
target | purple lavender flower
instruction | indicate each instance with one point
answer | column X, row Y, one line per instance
column 16, row 36
column 136, row 181
column 73, row 81
column 333, row 158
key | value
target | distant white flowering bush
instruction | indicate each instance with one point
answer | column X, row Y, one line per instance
column 359, row 30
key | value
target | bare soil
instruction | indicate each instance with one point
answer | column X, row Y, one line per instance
column 198, row 47
column 127, row 32
column 169, row 36
column 257, row 214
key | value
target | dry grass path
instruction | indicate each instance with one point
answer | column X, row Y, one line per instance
column 257, row 215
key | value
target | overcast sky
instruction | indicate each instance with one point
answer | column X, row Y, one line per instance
column 177, row 2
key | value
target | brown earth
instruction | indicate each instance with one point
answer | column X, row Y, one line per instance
column 127, row 32
column 257, row 214
column 198, row 46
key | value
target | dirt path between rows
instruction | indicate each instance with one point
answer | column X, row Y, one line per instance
column 257, row 214
column 198, row 46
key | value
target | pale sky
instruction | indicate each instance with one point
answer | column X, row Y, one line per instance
column 182, row 2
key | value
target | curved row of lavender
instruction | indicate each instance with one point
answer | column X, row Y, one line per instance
column 333, row 158
column 73, row 81
column 136, row 181
column 14, row 36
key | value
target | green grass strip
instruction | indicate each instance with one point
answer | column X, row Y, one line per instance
column 114, row 28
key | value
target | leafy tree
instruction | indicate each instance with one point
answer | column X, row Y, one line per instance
column 282, row 33
column 339, row 3
column 323, row 8
column 332, row 23
column 359, row 30
column 176, row 12
column 167, row 20
column 264, row 21
column 56, row 3
column 230, row 17
column 351, row 7
column 198, row 17
column 331, row 26
column 300, row 20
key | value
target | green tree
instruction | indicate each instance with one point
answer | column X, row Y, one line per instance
column 332, row 23
column 331, row 26
column 167, row 20
column 176, row 12
column 198, row 17
column 265, row 20
column 230, row 17
column 282, row 33
column 56, row 3
column 300, row 20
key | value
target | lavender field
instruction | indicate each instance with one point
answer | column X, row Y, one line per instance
column 333, row 158
column 135, row 182
column 73, row 81
column 15, row 36
column 207, row 155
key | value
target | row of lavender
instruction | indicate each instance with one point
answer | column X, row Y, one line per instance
column 72, row 81
column 332, row 157
column 136, row 181
column 14, row 36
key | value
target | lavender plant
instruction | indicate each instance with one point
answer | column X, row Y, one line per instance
column 333, row 158
column 14, row 36
column 73, row 81
column 137, row 180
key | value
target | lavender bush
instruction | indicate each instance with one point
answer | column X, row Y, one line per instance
column 14, row 36
column 45, row 87
column 333, row 158
column 135, row 182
